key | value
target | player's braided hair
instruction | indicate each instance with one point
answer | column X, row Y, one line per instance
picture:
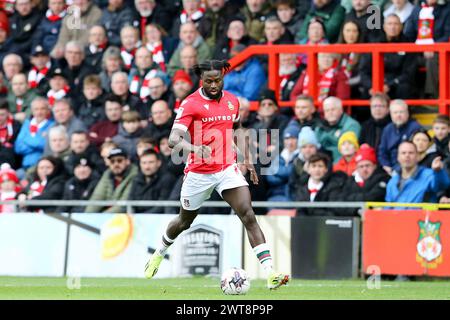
column 209, row 65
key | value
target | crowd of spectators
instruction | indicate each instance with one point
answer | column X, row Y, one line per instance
column 89, row 90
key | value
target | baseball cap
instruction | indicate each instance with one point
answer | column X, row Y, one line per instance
column 117, row 152
column 37, row 50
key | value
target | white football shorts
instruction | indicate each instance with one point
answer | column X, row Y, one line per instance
column 197, row 187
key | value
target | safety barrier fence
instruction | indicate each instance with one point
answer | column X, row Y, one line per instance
column 377, row 50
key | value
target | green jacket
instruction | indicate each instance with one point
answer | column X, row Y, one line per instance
column 27, row 99
column 105, row 190
column 332, row 14
column 254, row 23
column 328, row 136
column 203, row 53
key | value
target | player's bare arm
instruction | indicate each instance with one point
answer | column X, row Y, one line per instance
column 177, row 142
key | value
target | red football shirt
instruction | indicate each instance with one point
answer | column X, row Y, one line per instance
column 209, row 122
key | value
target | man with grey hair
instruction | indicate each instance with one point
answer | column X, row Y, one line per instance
column 400, row 129
column 120, row 88
column 75, row 68
column 59, row 143
column 64, row 116
column 12, row 64
column 149, row 11
column 334, row 125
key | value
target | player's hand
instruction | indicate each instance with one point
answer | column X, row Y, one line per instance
column 253, row 174
column 437, row 164
column 203, row 152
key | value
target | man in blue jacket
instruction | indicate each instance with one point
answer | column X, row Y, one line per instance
column 400, row 129
column 247, row 79
column 413, row 183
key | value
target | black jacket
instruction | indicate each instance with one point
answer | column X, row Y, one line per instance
column 54, row 188
column 399, row 67
column 90, row 153
column 22, row 31
column 374, row 189
column 158, row 188
column 371, row 131
column 75, row 189
column 90, row 111
column 333, row 184
column 157, row 132
column 213, row 26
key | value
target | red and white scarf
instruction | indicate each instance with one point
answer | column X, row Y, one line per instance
column 8, row 6
column 347, row 64
column 157, row 54
column 37, row 187
column 53, row 95
column 54, row 17
column 426, row 25
column 143, row 89
column 35, row 127
column 7, row 131
column 324, row 84
column 5, row 196
column 94, row 49
column 197, row 15
column 127, row 57
column 19, row 104
column 314, row 188
column 35, row 76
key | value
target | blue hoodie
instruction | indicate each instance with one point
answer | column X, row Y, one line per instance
column 422, row 186
column 246, row 82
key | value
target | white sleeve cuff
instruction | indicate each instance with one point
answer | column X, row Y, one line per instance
column 180, row 126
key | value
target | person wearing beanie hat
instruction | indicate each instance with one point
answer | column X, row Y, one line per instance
column 182, row 86
column 281, row 168
column 9, row 187
column 82, row 184
column 307, row 136
column 348, row 146
column 269, row 117
column 369, row 181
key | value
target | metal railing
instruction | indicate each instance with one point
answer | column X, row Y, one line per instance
column 377, row 50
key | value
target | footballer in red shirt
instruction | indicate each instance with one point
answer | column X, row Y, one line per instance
column 204, row 128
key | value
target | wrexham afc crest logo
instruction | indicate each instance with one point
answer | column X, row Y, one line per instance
column 429, row 247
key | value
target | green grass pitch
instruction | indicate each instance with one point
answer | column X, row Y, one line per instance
column 200, row 288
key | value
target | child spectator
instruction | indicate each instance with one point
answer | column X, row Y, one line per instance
column 59, row 86
column 48, row 29
column 9, row 187
column 440, row 131
column 129, row 132
column 348, row 146
column 91, row 108
column 319, row 185
column 129, row 38
column 426, row 149
column 287, row 14
column 20, row 97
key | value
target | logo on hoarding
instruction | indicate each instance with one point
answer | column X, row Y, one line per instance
column 115, row 235
column 429, row 247
column 201, row 251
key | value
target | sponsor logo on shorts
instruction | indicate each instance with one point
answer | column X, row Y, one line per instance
column 186, row 203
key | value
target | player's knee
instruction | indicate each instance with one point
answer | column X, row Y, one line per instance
column 185, row 224
column 248, row 217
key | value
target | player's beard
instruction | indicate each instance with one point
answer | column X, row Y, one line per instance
column 213, row 96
